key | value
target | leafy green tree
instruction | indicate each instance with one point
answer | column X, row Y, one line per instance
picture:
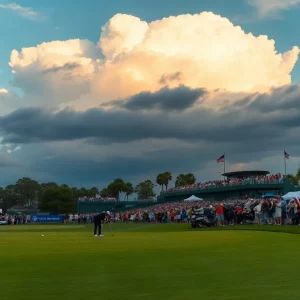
column 44, row 187
column 104, row 193
column 48, row 185
column 2, row 198
column 298, row 175
column 82, row 192
column 293, row 179
column 58, row 200
column 145, row 190
column 93, row 192
column 75, row 192
column 10, row 197
column 28, row 190
column 116, row 187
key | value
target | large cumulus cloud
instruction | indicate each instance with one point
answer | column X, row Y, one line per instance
column 155, row 96
column 199, row 51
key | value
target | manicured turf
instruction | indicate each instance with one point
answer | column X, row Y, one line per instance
column 136, row 261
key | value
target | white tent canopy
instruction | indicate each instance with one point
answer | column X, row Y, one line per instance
column 193, row 198
column 291, row 195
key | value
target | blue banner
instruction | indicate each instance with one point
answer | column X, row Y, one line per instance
column 46, row 219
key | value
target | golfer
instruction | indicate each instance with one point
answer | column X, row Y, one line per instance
column 99, row 221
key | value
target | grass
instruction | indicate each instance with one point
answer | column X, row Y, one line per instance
column 136, row 261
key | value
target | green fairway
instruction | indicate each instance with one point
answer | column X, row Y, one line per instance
column 150, row 261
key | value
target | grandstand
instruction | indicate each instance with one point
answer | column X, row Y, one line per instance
column 237, row 185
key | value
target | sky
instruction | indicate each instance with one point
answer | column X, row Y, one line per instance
column 95, row 90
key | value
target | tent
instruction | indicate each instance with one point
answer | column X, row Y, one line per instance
column 291, row 195
column 270, row 196
column 193, row 198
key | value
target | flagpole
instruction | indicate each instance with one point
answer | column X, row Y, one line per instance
column 224, row 166
column 284, row 163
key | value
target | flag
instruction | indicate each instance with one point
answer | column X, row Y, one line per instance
column 221, row 159
column 286, row 155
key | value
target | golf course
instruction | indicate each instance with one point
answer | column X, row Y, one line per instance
column 149, row 261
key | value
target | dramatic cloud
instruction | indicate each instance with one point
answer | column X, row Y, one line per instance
column 10, row 102
column 172, row 94
column 54, row 72
column 260, row 115
column 24, row 12
column 198, row 51
column 266, row 7
column 166, row 99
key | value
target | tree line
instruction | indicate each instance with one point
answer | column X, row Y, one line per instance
column 55, row 198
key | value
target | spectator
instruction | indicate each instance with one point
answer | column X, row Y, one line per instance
column 220, row 214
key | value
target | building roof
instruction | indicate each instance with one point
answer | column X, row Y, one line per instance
column 239, row 174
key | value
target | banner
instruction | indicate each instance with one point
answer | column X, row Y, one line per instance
column 46, row 219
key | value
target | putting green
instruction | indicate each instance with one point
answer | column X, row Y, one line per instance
column 137, row 261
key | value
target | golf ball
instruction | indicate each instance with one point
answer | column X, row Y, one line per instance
column 42, row 235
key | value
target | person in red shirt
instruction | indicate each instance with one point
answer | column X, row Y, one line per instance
column 220, row 214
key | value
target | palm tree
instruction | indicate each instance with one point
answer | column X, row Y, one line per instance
column 180, row 180
column 190, row 178
column 167, row 177
column 185, row 179
column 159, row 180
column 128, row 190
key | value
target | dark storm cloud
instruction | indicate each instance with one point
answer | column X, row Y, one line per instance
column 167, row 99
column 254, row 120
column 86, row 171
column 177, row 159
column 7, row 161
column 256, row 127
column 281, row 99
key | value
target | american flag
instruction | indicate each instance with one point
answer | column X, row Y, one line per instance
column 286, row 155
column 221, row 159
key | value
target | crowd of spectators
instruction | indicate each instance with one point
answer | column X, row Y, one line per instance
column 266, row 211
column 15, row 219
column 97, row 198
column 276, row 178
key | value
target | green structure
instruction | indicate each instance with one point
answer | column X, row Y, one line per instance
column 250, row 187
column 22, row 211
column 98, row 206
